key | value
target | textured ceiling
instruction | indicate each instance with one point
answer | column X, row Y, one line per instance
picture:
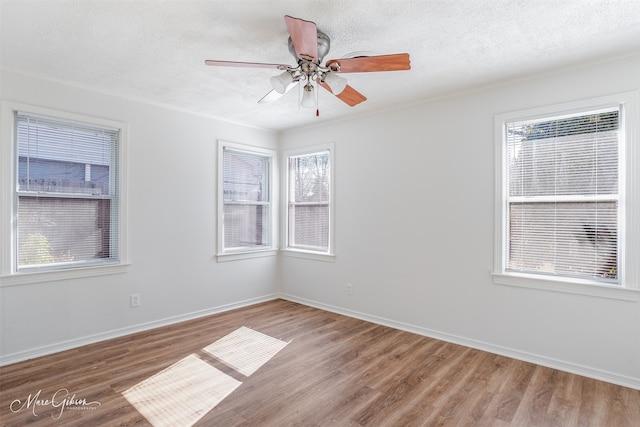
column 155, row 50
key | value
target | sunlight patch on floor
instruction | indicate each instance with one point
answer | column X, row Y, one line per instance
column 245, row 350
column 181, row 394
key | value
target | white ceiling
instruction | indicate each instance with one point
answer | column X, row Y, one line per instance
column 154, row 50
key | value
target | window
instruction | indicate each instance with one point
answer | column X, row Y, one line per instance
column 245, row 199
column 563, row 210
column 309, row 200
column 66, row 189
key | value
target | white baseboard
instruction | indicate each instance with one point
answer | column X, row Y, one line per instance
column 491, row 348
column 91, row 339
column 573, row 368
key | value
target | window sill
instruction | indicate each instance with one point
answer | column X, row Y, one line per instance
column 234, row 256
column 296, row 253
column 558, row 285
column 52, row 276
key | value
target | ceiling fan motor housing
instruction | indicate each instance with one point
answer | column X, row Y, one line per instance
column 323, row 46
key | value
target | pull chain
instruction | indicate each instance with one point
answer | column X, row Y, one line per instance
column 317, row 97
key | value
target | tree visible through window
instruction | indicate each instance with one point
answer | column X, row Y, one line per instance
column 308, row 202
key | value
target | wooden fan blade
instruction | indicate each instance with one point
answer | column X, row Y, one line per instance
column 274, row 96
column 304, row 35
column 349, row 95
column 245, row 64
column 364, row 64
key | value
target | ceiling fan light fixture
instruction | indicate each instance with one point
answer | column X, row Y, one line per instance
column 335, row 82
column 308, row 45
column 281, row 82
column 308, row 100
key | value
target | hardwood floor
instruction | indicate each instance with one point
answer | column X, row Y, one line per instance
column 335, row 371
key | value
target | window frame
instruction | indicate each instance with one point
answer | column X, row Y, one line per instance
column 329, row 255
column 248, row 252
column 627, row 287
column 9, row 273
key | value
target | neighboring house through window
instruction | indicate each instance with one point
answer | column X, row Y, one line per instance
column 67, row 192
column 563, row 211
column 245, row 199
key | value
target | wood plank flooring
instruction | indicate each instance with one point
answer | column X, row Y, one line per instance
column 335, row 371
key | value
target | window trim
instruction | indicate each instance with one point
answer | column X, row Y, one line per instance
column 628, row 287
column 299, row 252
column 9, row 275
column 246, row 253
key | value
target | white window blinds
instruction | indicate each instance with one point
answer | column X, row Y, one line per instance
column 67, row 192
column 308, row 205
column 563, row 195
column 246, row 200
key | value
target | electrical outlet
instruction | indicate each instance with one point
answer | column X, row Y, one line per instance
column 135, row 300
column 349, row 289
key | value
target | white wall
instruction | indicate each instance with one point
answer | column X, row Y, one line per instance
column 172, row 231
column 414, row 231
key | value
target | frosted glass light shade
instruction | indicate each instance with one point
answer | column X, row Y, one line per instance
column 308, row 100
column 281, row 82
column 335, row 82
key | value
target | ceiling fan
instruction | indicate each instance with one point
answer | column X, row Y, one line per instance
column 309, row 45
